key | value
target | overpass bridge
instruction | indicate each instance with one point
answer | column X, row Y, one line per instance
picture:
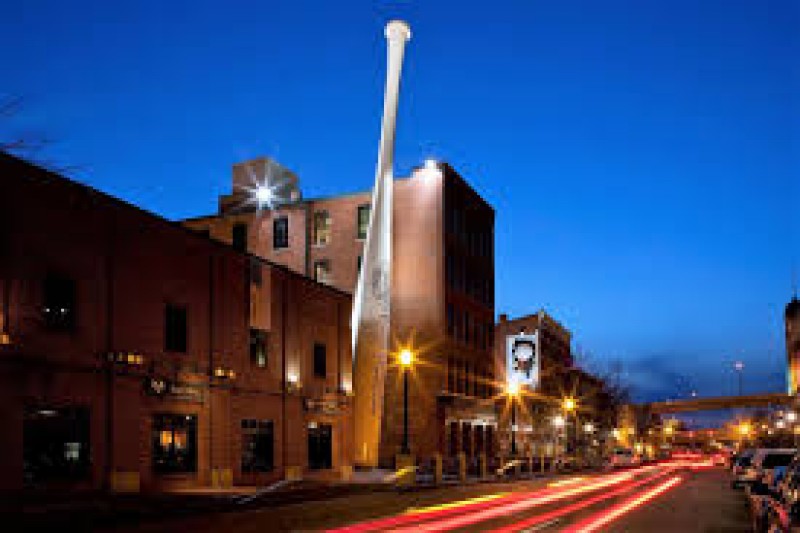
column 720, row 402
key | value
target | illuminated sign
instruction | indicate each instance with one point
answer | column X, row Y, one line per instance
column 523, row 359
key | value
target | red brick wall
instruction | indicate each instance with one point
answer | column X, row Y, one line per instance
column 127, row 265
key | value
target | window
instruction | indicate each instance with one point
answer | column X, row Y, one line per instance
column 320, row 360
column 59, row 303
column 258, row 445
column 280, row 233
column 450, row 320
column 255, row 272
column 451, row 374
column 322, row 228
column 55, row 444
column 363, row 220
column 174, row 443
column 239, row 237
column 175, row 328
column 322, row 270
column 258, row 347
column 359, row 260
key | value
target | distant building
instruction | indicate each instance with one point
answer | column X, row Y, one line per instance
column 138, row 355
column 442, row 297
column 539, row 412
column 792, row 324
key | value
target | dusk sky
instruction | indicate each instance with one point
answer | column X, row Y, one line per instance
column 643, row 156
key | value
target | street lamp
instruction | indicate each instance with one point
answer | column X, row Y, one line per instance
column 512, row 388
column 569, row 405
column 406, row 360
column 739, row 366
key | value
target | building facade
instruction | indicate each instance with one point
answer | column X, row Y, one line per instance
column 442, row 296
column 792, row 327
column 545, row 427
column 137, row 355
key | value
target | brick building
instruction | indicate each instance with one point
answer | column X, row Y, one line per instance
column 442, row 285
column 792, row 325
column 138, row 355
column 584, row 428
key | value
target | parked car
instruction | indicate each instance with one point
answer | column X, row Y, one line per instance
column 739, row 464
column 764, row 461
column 763, row 494
column 783, row 512
column 622, row 457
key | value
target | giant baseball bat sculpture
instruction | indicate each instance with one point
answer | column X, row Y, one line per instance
column 372, row 303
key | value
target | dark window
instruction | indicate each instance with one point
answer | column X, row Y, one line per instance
column 174, row 443
column 55, row 444
column 358, row 265
column 258, row 347
column 320, row 360
column 363, row 220
column 175, row 328
column 451, row 375
column 255, row 272
column 280, row 233
column 453, row 441
column 258, row 445
column 322, row 271
column 319, row 446
column 450, row 320
column 239, row 237
column 59, row 303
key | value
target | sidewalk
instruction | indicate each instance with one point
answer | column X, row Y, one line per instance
column 90, row 511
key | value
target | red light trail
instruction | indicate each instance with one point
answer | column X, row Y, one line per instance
column 557, row 513
column 455, row 515
column 595, row 522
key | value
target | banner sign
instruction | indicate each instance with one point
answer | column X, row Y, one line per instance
column 523, row 359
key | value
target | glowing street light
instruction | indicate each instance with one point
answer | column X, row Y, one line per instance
column 744, row 429
column 588, row 427
column 558, row 421
column 569, row 404
column 791, row 417
column 406, row 358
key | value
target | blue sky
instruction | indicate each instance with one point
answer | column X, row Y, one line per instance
column 643, row 157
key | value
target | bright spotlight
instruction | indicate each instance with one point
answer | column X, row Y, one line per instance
column 264, row 194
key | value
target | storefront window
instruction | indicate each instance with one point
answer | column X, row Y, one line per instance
column 55, row 444
column 257, row 445
column 174, row 443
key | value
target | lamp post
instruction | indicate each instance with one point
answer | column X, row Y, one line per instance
column 569, row 405
column 406, row 360
column 513, row 391
column 739, row 366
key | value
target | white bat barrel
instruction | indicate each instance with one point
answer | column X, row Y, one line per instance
column 371, row 304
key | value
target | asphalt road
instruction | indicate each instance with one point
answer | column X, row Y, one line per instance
column 665, row 498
